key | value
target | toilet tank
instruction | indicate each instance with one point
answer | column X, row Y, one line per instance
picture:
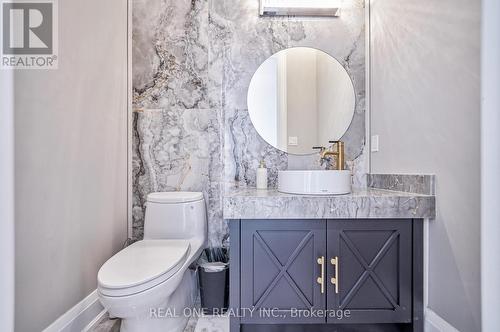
column 175, row 215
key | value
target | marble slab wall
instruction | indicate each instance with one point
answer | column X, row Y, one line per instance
column 192, row 64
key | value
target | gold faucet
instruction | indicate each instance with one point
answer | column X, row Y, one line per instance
column 338, row 153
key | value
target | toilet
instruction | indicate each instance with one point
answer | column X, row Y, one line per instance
column 148, row 284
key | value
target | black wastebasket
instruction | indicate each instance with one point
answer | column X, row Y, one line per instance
column 214, row 290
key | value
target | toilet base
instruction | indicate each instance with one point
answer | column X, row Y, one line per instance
column 169, row 316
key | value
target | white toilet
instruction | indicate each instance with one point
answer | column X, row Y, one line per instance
column 148, row 284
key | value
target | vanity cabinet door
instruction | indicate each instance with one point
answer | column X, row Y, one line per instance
column 279, row 270
column 373, row 271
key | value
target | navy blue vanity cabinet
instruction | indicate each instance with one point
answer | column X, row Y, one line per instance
column 279, row 269
column 369, row 271
column 354, row 275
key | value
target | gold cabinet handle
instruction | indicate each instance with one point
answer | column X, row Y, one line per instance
column 335, row 280
column 321, row 280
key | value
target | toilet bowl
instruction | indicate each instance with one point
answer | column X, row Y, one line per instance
column 149, row 284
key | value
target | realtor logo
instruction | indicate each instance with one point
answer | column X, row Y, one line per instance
column 29, row 34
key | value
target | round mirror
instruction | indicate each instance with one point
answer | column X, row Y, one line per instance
column 300, row 98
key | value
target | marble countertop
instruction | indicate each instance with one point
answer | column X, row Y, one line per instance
column 250, row 203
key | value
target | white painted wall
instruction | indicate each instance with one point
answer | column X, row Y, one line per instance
column 7, row 201
column 425, row 105
column 71, row 163
column 490, row 170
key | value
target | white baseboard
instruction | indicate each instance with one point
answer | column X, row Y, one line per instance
column 434, row 322
column 95, row 321
column 82, row 317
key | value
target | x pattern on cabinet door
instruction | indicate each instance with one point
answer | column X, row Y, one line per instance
column 279, row 267
column 283, row 269
column 369, row 269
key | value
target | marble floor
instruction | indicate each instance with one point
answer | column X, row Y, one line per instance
column 195, row 324
column 107, row 325
column 210, row 324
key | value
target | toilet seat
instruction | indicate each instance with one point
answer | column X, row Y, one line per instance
column 142, row 265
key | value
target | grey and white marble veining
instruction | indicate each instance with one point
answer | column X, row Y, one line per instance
column 177, row 150
column 205, row 323
column 412, row 183
column 107, row 324
column 240, row 41
column 213, row 324
column 241, row 203
column 191, row 324
column 198, row 57
column 170, row 54
column 244, row 148
column 359, row 169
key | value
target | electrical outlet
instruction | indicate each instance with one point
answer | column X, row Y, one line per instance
column 374, row 143
column 293, row 140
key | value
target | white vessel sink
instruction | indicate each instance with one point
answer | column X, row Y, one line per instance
column 315, row 182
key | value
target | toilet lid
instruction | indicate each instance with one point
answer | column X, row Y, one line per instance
column 143, row 261
column 174, row 197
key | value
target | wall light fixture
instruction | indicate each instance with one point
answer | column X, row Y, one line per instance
column 300, row 7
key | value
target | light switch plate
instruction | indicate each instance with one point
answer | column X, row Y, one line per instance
column 293, row 140
column 374, row 143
